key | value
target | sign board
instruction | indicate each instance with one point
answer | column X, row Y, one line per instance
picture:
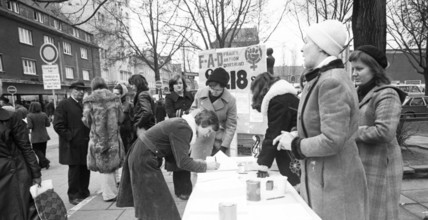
column 12, row 90
column 48, row 53
column 242, row 64
column 51, row 79
column 158, row 84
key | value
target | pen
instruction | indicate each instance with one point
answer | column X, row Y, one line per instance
column 278, row 197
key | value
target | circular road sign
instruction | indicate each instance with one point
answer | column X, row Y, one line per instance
column 48, row 53
column 11, row 89
column 158, row 84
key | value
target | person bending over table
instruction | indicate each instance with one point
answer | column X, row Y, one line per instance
column 143, row 185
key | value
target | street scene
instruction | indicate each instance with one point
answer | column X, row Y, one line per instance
column 216, row 109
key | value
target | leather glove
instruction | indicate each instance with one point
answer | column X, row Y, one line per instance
column 37, row 181
column 263, row 171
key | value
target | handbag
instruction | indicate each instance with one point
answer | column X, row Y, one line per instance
column 48, row 203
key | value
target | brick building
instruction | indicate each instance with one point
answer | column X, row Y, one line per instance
column 25, row 26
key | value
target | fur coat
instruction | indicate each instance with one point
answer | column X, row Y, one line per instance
column 102, row 113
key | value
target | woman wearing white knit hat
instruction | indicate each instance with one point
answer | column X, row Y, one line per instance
column 333, row 181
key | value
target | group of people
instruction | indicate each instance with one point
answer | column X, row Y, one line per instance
column 336, row 143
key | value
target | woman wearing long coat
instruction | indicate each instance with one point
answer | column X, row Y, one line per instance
column 333, row 182
column 143, row 185
column 18, row 167
column 127, row 131
column 102, row 113
column 380, row 109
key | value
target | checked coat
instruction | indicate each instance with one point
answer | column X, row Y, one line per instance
column 379, row 151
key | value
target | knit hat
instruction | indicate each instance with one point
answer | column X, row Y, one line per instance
column 329, row 35
column 220, row 76
column 375, row 54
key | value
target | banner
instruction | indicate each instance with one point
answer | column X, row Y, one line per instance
column 242, row 64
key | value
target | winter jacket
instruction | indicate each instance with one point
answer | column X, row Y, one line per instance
column 73, row 134
column 380, row 153
column 38, row 122
column 127, row 131
column 280, row 106
column 174, row 102
column 102, row 113
column 18, row 166
column 333, row 182
column 144, row 109
column 225, row 109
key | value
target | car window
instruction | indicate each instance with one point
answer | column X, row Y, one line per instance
column 416, row 102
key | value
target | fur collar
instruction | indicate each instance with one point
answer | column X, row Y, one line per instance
column 101, row 95
column 280, row 87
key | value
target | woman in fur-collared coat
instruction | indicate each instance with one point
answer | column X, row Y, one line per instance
column 380, row 109
column 276, row 99
column 102, row 113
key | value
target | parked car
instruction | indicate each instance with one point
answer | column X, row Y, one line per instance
column 412, row 89
column 414, row 105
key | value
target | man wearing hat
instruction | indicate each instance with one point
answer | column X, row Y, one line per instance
column 73, row 142
column 217, row 98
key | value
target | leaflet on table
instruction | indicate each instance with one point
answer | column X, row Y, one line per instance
column 226, row 163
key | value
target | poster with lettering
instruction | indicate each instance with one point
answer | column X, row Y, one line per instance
column 242, row 64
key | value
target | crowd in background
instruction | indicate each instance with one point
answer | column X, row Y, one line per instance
column 335, row 142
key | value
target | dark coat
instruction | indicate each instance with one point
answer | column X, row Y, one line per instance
column 380, row 113
column 127, row 131
column 143, row 185
column 38, row 122
column 280, row 105
column 174, row 102
column 160, row 112
column 73, row 134
column 18, row 166
column 50, row 108
column 333, row 180
column 144, row 109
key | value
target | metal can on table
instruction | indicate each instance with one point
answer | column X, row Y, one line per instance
column 269, row 185
column 253, row 190
column 227, row 211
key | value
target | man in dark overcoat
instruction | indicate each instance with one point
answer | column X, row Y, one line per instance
column 73, row 142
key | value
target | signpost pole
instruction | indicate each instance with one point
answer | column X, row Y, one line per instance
column 54, row 96
column 13, row 100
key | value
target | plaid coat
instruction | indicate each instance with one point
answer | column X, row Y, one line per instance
column 379, row 151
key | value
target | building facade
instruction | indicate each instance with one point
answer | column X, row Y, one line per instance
column 25, row 27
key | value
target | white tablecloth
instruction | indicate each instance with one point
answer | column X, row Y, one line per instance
column 216, row 187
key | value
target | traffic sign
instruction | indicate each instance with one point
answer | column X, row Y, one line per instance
column 48, row 53
column 12, row 90
column 51, row 79
column 158, row 84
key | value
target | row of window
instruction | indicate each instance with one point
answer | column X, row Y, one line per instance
column 44, row 19
column 29, row 67
column 25, row 37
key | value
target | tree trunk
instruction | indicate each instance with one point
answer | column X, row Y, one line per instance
column 369, row 23
column 426, row 80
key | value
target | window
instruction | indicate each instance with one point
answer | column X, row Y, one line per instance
column 87, row 37
column 67, row 48
column 1, row 63
column 25, row 36
column 100, row 17
column 29, row 66
column 69, row 73
column 13, row 6
column 75, row 32
column 38, row 16
column 124, row 75
column 48, row 39
column 84, row 53
column 85, row 74
column 57, row 25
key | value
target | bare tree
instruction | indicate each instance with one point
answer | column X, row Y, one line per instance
column 369, row 23
column 408, row 25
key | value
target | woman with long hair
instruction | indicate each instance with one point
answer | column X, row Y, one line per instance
column 380, row 109
column 276, row 99
column 144, row 106
column 127, row 131
column 37, row 121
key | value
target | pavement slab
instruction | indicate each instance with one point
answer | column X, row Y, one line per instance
column 416, row 209
column 406, row 200
column 420, row 196
column 96, row 214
